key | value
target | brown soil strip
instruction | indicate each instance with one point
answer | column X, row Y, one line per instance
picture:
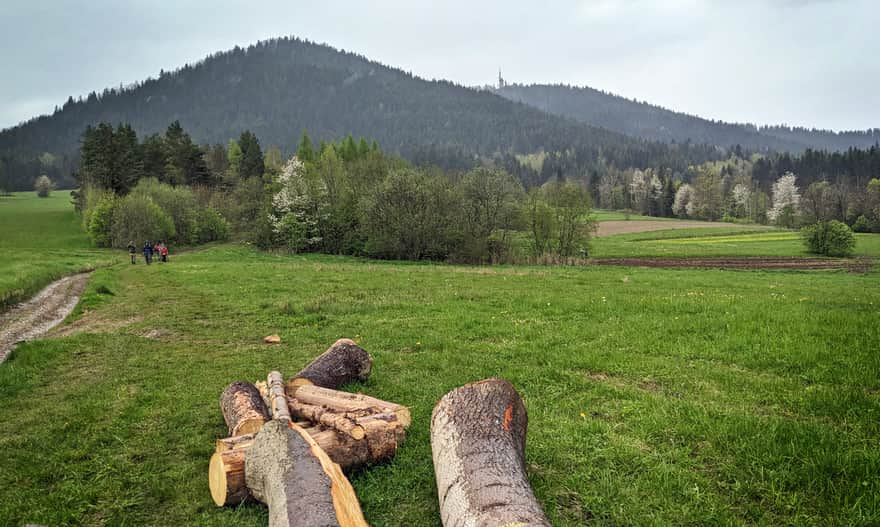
column 856, row 265
column 38, row 315
column 610, row 228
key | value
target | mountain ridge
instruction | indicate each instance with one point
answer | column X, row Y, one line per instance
column 653, row 122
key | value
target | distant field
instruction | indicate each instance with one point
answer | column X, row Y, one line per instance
column 739, row 241
column 40, row 241
column 614, row 215
column 614, row 227
column 655, row 397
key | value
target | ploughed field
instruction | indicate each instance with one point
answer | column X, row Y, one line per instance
column 613, row 227
column 655, row 396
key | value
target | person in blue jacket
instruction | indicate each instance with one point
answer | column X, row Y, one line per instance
column 148, row 252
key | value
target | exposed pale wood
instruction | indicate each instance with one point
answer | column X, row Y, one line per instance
column 478, row 435
column 243, row 409
column 226, row 477
column 317, row 414
column 288, row 471
column 383, row 435
column 264, row 393
column 277, row 397
column 352, row 404
column 231, row 443
column 342, row 363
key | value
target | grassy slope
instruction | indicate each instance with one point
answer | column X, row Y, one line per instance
column 655, row 397
column 716, row 241
column 40, row 241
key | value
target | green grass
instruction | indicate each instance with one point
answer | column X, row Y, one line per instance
column 718, row 241
column 655, row 397
column 40, row 241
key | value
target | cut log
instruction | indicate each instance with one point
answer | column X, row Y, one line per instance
column 478, row 438
column 342, row 363
column 383, row 434
column 277, row 397
column 243, row 408
column 319, row 415
column 226, row 476
column 287, row 470
column 351, row 404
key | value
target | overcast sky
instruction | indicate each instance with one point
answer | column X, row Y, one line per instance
column 799, row 62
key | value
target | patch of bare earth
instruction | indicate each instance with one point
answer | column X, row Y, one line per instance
column 38, row 315
column 91, row 322
column 610, row 228
column 854, row 265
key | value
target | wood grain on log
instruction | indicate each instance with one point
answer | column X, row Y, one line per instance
column 352, row 404
column 478, row 435
column 277, row 397
column 383, row 434
column 342, row 363
column 243, row 408
column 287, row 470
column 226, row 477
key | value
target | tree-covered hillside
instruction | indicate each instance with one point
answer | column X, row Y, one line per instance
column 646, row 121
column 280, row 87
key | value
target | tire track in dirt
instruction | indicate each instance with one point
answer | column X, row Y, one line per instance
column 32, row 319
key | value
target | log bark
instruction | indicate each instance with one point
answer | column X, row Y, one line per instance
column 317, row 414
column 287, row 470
column 243, row 408
column 351, row 404
column 342, row 363
column 478, row 437
column 383, row 435
column 277, row 397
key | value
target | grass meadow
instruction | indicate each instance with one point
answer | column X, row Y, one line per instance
column 655, row 397
column 717, row 241
column 40, row 241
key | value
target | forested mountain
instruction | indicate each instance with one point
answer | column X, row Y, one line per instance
column 280, row 87
column 646, row 121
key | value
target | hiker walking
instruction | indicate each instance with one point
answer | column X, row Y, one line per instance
column 148, row 253
column 163, row 252
column 132, row 251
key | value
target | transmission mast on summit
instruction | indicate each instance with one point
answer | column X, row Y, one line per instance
column 501, row 82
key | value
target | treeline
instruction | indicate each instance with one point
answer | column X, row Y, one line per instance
column 279, row 87
column 782, row 190
column 345, row 197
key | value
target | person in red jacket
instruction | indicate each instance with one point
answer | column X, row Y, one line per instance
column 163, row 251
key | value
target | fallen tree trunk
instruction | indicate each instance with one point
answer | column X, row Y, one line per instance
column 287, row 470
column 342, row 363
column 243, row 408
column 382, row 435
column 351, row 404
column 478, row 438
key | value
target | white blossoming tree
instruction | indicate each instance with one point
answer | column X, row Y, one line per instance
column 786, row 201
column 683, row 206
column 297, row 208
column 639, row 191
column 742, row 200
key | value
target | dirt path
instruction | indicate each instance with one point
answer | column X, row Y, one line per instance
column 610, row 228
column 854, row 265
column 38, row 315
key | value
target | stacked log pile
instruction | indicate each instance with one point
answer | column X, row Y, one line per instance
column 290, row 442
